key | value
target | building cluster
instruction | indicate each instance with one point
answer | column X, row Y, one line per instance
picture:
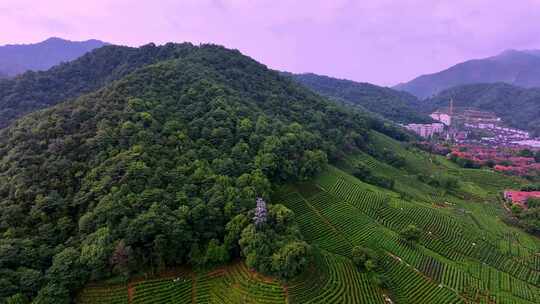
column 462, row 124
column 520, row 197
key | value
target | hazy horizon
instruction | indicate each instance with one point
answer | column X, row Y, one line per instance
column 380, row 42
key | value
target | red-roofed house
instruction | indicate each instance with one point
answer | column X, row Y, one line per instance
column 520, row 197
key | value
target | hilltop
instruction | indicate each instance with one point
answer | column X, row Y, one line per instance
column 16, row 59
column 159, row 168
column 391, row 104
column 518, row 68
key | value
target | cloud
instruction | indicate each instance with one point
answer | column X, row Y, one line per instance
column 383, row 41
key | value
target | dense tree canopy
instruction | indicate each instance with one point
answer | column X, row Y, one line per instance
column 159, row 168
column 391, row 104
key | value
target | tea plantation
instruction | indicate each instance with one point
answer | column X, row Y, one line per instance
column 465, row 253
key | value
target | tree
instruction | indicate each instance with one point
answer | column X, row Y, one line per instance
column 516, row 209
column 17, row 299
column 216, row 253
column 411, row 233
column 533, row 202
column 233, row 232
column 381, row 280
column 65, row 275
column 95, row 252
column 120, row 258
column 312, row 163
column 275, row 248
column 290, row 260
column 526, row 153
column 537, row 156
column 364, row 258
column 260, row 213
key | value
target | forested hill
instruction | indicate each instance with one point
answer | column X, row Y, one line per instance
column 19, row 58
column 391, row 104
column 518, row 107
column 148, row 171
column 520, row 68
column 37, row 90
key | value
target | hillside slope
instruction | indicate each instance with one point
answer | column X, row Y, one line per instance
column 146, row 172
column 465, row 253
column 519, row 107
column 390, row 104
column 18, row 58
column 520, row 68
column 37, row 90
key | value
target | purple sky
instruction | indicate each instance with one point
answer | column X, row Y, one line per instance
column 383, row 42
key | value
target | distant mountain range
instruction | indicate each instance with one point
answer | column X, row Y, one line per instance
column 519, row 68
column 518, row 107
column 391, row 104
column 19, row 58
column 38, row 90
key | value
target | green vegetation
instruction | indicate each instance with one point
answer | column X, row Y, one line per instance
column 391, row 104
column 232, row 283
column 158, row 183
column 529, row 218
column 37, row 90
column 364, row 258
column 463, row 251
column 273, row 244
column 411, row 233
column 147, row 172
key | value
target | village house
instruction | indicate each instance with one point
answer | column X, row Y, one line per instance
column 520, row 197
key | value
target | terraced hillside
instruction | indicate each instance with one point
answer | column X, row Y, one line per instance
column 465, row 254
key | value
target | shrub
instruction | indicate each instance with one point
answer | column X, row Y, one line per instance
column 364, row 258
column 411, row 233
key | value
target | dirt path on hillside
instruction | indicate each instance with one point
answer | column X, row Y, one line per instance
column 193, row 288
column 286, row 292
column 429, row 279
column 326, row 221
column 130, row 291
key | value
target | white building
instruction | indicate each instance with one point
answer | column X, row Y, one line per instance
column 442, row 117
column 426, row 130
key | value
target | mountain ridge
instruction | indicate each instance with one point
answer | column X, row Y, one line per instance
column 16, row 59
column 390, row 104
column 520, row 68
column 33, row 91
